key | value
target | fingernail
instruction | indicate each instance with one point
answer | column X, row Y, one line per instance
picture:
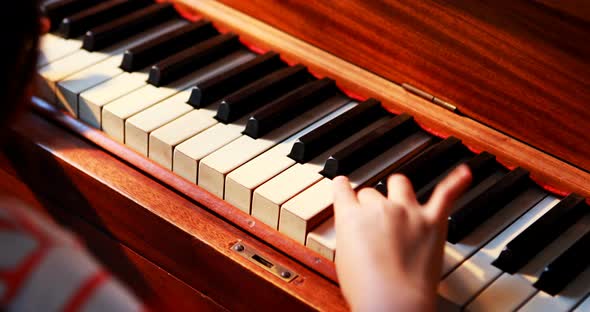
column 340, row 179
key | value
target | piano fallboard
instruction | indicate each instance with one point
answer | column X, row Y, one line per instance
column 520, row 67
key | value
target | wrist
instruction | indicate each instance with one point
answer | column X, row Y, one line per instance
column 394, row 304
column 388, row 299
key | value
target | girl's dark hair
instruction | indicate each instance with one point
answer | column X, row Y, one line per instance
column 21, row 23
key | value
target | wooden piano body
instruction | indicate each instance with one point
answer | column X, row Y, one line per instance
column 516, row 72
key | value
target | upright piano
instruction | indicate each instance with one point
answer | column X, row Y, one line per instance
column 191, row 145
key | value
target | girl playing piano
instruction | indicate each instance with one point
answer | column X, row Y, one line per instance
column 398, row 241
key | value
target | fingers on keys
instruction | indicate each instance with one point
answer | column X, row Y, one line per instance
column 447, row 191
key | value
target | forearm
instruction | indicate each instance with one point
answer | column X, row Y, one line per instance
column 384, row 292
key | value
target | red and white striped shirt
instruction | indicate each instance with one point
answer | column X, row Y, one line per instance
column 44, row 268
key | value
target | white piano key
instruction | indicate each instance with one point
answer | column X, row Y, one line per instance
column 75, row 62
column 70, row 87
column 505, row 294
column 60, row 69
column 189, row 154
column 323, row 239
column 268, row 198
column 52, row 48
column 139, row 127
column 115, row 113
column 91, row 102
column 456, row 253
column 468, row 279
column 475, row 273
column 163, row 140
column 214, row 168
column 584, row 306
column 509, row 292
column 566, row 300
column 241, row 182
column 303, row 212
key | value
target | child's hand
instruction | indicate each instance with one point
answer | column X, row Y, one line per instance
column 390, row 250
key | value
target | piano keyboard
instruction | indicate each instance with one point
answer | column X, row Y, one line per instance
column 268, row 137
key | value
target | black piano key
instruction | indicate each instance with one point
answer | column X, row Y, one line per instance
column 289, row 106
column 467, row 218
column 317, row 141
column 481, row 166
column 191, row 59
column 56, row 11
column 77, row 24
column 532, row 240
column 148, row 53
column 217, row 87
column 381, row 186
column 565, row 268
column 369, row 146
column 429, row 164
column 127, row 26
column 433, row 161
column 261, row 92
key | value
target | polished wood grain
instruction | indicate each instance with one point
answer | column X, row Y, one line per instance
column 154, row 287
column 550, row 172
column 158, row 223
column 574, row 8
column 516, row 66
